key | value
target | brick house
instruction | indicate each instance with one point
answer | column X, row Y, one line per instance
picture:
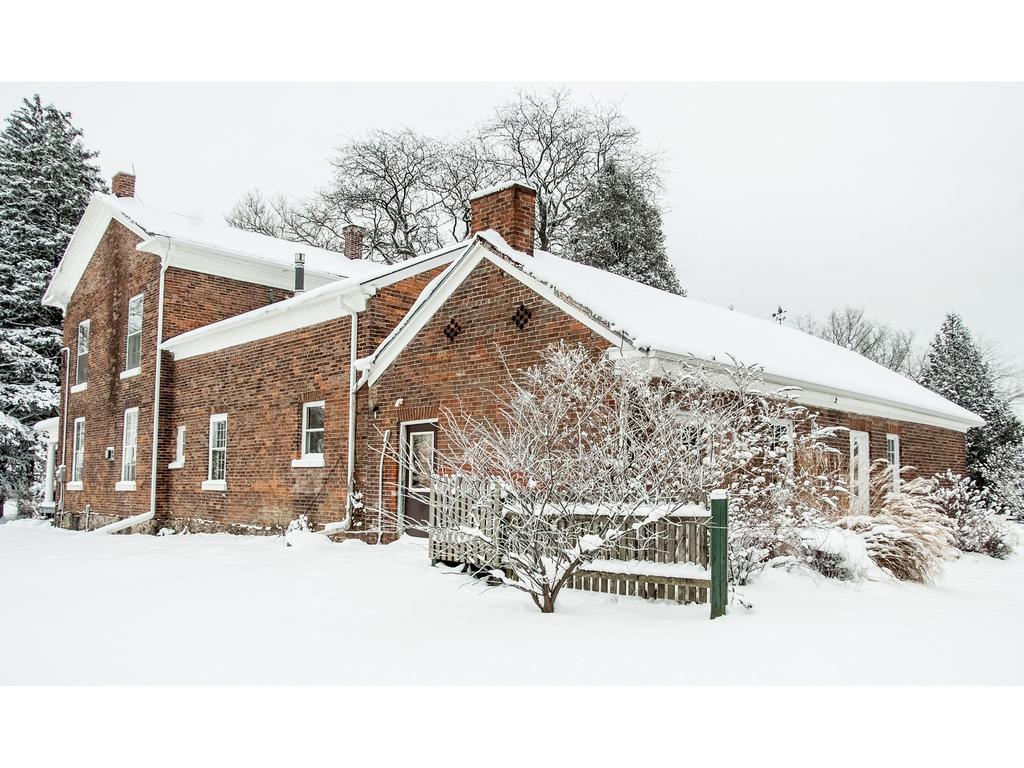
column 213, row 380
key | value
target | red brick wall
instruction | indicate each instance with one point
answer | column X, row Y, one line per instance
column 509, row 211
column 262, row 386
column 433, row 373
column 924, row 448
column 117, row 272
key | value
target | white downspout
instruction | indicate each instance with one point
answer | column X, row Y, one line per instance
column 128, row 522
column 64, row 423
column 346, row 523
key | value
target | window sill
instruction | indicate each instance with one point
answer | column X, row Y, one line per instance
column 315, row 460
column 130, row 373
column 214, row 485
column 176, row 465
column 76, row 388
column 125, row 485
column 73, row 485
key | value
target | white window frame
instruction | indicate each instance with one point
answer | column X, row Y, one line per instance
column 790, row 436
column 135, row 369
column 77, row 456
column 892, row 456
column 126, row 483
column 219, row 484
column 310, row 459
column 179, row 449
column 81, row 386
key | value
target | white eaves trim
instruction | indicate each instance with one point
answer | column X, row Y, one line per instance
column 197, row 257
column 443, row 288
column 814, row 396
column 87, row 235
column 338, row 298
column 271, row 320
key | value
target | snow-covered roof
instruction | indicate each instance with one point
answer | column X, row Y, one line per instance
column 223, row 237
column 675, row 327
column 198, row 245
column 318, row 305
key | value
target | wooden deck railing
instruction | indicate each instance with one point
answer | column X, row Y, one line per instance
column 643, row 563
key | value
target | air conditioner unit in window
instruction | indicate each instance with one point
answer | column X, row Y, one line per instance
column 108, row 454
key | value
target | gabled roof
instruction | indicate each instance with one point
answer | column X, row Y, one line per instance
column 639, row 318
column 330, row 301
column 198, row 245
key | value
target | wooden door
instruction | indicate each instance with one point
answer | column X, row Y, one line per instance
column 417, row 475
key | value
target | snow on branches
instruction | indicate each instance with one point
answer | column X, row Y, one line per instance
column 587, row 452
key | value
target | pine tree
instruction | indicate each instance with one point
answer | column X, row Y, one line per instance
column 46, row 178
column 618, row 229
column 955, row 368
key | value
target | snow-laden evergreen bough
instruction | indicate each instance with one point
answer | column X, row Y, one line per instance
column 589, row 452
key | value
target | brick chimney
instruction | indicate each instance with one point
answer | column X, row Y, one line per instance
column 123, row 184
column 353, row 235
column 509, row 209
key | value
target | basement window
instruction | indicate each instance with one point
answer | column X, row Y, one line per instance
column 133, row 353
column 312, row 435
column 453, row 329
column 217, row 472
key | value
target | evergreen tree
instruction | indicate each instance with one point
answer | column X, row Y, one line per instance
column 46, row 178
column 954, row 368
column 618, row 229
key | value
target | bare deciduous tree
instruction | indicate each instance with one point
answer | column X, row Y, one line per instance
column 411, row 191
column 853, row 329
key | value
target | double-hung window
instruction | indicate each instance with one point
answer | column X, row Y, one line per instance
column 892, row 455
column 82, row 355
column 312, row 435
column 217, row 473
column 780, row 440
column 77, row 455
column 129, row 450
column 133, row 351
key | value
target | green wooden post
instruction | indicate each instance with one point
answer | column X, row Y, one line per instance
column 719, row 553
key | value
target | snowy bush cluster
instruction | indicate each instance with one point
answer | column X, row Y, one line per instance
column 977, row 526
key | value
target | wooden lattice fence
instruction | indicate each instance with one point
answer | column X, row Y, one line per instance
column 668, row 559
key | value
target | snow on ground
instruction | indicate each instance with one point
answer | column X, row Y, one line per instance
column 88, row 608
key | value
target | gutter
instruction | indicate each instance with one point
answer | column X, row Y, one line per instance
column 128, row 522
column 66, row 351
column 346, row 523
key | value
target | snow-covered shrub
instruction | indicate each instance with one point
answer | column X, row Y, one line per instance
column 904, row 532
column 976, row 525
column 588, row 451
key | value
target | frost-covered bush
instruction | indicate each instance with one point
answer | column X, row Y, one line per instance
column 588, row 451
column 976, row 525
column 20, row 450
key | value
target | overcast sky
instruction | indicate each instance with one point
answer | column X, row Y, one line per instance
column 905, row 199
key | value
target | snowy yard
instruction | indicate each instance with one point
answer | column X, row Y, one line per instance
column 84, row 608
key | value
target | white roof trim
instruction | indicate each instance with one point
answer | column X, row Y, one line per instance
column 337, row 298
column 83, row 244
column 421, row 313
column 811, row 395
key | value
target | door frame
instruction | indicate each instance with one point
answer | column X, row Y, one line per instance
column 403, row 448
column 865, row 465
